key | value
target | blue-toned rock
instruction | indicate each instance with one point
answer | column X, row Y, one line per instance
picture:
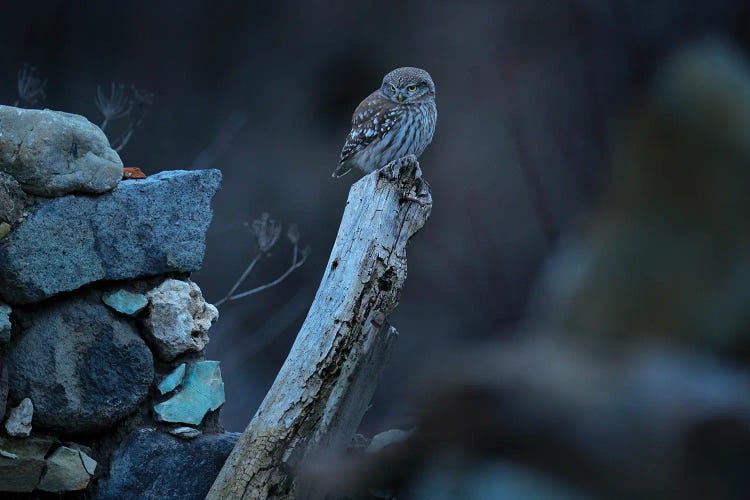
column 152, row 465
column 143, row 228
column 172, row 380
column 4, row 322
column 125, row 302
column 84, row 366
column 202, row 391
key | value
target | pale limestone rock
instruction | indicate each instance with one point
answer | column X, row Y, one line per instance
column 178, row 319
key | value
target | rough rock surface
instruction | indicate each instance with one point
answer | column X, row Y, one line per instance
column 18, row 423
column 12, row 199
column 4, row 323
column 67, row 469
column 143, row 228
column 82, row 365
column 153, row 465
column 202, row 391
column 3, row 383
column 22, row 462
column 51, row 153
column 178, row 319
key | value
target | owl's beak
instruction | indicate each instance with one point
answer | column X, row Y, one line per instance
column 400, row 97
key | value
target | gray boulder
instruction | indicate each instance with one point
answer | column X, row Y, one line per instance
column 51, row 153
column 144, row 228
column 64, row 362
column 154, row 465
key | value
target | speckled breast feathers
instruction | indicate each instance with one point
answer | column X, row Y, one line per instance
column 394, row 121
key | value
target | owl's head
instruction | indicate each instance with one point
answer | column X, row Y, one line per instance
column 408, row 85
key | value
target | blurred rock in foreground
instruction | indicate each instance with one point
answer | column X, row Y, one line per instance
column 668, row 253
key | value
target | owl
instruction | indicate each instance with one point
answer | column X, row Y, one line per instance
column 396, row 120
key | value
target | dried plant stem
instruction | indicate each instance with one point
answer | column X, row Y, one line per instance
column 241, row 279
column 295, row 264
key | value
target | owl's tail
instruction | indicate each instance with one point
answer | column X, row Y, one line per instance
column 343, row 169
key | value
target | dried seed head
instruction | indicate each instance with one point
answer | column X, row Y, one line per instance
column 266, row 231
column 293, row 234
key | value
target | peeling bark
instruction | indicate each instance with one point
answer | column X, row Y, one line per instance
column 327, row 381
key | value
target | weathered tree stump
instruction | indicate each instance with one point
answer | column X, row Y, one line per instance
column 323, row 389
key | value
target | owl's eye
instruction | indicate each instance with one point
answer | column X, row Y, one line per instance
column 393, row 88
column 411, row 88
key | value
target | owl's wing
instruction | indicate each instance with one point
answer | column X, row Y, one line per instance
column 372, row 119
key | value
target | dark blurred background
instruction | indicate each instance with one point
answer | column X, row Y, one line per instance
column 527, row 92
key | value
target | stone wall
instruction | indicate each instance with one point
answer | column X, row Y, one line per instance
column 102, row 334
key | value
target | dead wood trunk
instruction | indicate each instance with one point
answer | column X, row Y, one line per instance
column 324, row 387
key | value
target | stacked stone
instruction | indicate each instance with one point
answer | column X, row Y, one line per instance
column 102, row 332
